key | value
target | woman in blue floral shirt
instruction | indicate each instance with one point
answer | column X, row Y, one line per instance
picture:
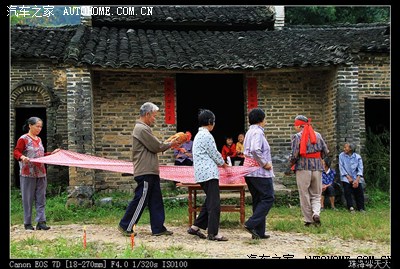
column 206, row 159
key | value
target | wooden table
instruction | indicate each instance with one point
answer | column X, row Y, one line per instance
column 193, row 208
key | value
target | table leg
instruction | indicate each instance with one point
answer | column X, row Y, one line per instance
column 242, row 206
column 194, row 205
column 190, row 207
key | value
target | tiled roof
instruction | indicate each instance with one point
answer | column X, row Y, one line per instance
column 38, row 42
column 357, row 37
column 128, row 48
column 114, row 47
column 193, row 16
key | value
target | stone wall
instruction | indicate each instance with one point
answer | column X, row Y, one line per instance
column 368, row 78
column 80, row 133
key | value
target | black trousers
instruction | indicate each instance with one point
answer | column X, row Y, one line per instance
column 147, row 193
column 358, row 195
column 210, row 212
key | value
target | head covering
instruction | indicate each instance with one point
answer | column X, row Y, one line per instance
column 308, row 133
column 300, row 120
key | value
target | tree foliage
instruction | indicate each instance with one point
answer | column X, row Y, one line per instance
column 328, row 15
column 377, row 160
column 36, row 16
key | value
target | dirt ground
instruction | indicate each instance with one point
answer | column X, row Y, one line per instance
column 240, row 245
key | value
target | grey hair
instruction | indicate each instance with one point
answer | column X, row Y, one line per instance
column 302, row 118
column 148, row 107
column 30, row 121
column 351, row 146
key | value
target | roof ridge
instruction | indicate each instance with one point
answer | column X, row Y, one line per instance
column 374, row 25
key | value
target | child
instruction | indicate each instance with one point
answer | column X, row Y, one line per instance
column 240, row 148
column 229, row 150
column 328, row 176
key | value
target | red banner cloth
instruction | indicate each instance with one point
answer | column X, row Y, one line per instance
column 169, row 98
column 252, row 101
column 183, row 174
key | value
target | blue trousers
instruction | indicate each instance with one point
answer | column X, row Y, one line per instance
column 262, row 194
column 147, row 193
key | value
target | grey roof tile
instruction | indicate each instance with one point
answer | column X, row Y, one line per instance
column 189, row 15
column 119, row 47
column 36, row 42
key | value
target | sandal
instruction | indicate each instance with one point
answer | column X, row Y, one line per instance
column 196, row 232
column 214, row 238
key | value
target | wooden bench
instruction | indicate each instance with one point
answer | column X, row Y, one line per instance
column 193, row 208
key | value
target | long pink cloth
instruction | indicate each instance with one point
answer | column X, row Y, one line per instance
column 183, row 174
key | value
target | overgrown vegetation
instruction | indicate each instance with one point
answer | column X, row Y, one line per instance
column 328, row 15
column 377, row 161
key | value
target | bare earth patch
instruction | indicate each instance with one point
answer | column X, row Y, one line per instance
column 240, row 245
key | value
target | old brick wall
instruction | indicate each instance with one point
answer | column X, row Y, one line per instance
column 80, row 133
column 285, row 94
column 117, row 97
column 368, row 78
column 373, row 82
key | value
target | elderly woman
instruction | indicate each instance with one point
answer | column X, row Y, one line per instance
column 260, row 182
column 206, row 160
column 351, row 175
column 32, row 175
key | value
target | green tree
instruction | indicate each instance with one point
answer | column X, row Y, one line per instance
column 57, row 17
column 328, row 15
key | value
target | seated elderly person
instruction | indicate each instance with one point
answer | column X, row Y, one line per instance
column 183, row 155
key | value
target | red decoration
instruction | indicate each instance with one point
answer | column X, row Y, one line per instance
column 132, row 240
column 84, row 237
column 133, row 236
column 252, row 101
column 169, row 95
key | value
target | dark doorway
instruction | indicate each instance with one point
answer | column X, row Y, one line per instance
column 222, row 94
column 377, row 115
column 21, row 115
